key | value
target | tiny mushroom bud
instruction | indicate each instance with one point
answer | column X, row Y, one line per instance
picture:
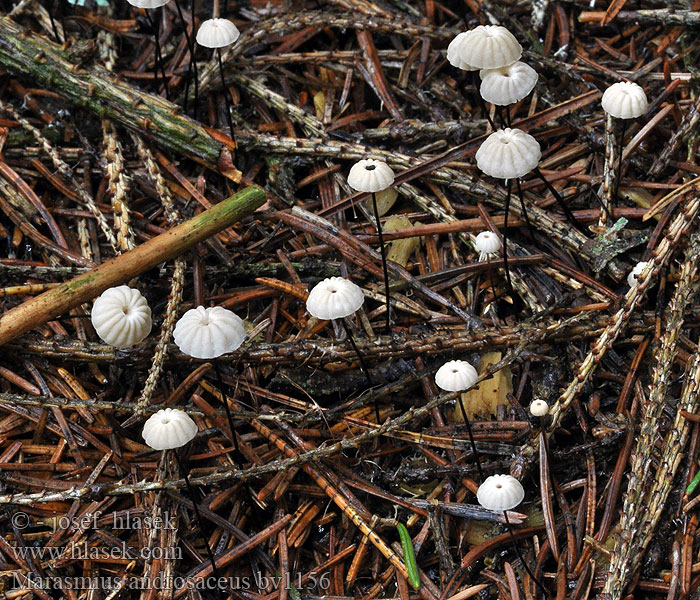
column 121, row 316
column 209, row 332
column 456, row 376
column 169, row 428
column 487, row 242
column 507, row 85
column 634, row 274
column 508, row 154
column 500, row 492
column 625, row 100
column 484, row 47
column 539, row 408
column 148, row 3
column 334, row 298
column 217, row 33
column 370, row 175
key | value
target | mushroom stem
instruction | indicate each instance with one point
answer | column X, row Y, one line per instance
column 159, row 63
column 525, row 215
column 520, row 556
column 229, row 417
column 505, row 234
column 480, row 100
column 226, row 93
column 477, row 459
column 384, row 267
column 618, row 175
column 198, row 517
column 53, row 23
column 567, row 211
column 192, row 65
column 363, row 366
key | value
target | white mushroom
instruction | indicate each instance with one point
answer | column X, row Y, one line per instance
column 625, row 100
column 121, row 316
column 217, row 33
column 488, row 244
column 634, row 274
column 148, row 4
column 209, row 332
column 500, row 492
column 507, row 85
column 334, row 298
column 484, row 47
column 169, row 428
column 508, row 154
column 539, row 408
column 370, row 175
column 456, row 376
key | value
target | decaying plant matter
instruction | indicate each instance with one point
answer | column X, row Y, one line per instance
column 316, row 438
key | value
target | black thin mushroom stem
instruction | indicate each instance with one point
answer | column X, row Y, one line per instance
column 459, row 376
column 372, row 176
column 229, row 417
column 198, row 518
column 505, row 234
column 170, row 430
column 619, row 158
column 158, row 63
column 520, row 556
column 192, row 65
column 216, row 33
column 227, row 93
column 334, row 299
column 363, row 365
column 382, row 249
column 504, row 493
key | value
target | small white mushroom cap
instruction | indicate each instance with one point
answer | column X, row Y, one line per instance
column 539, row 408
column 484, row 47
column 217, row 33
column 334, row 298
column 455, row 52
column 508, row 84
column 487, row 242
column 121, row 316
column 369, row 175
column 500, row 492
column 508, row 153
column 169, row 428
column 456, row 376
column 209, row 332
column 636, row 272
column 625, row 100
column 148, row 3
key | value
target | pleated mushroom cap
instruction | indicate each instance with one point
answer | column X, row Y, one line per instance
column 508, row 153
column 539, row 408
column 636, row 272
column 217, row 33
column 456, row 376
column 485, row 47
column 121, row 316
column 148, row 3
column 500, row 492
column 334, row 298
column 455, row 52
column 507, row 85
column 209, row 332
column 625, row 100
column 369, row 175
column 487, row 242
column 169, row 428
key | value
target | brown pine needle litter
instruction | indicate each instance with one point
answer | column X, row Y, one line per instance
column 316, row 438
